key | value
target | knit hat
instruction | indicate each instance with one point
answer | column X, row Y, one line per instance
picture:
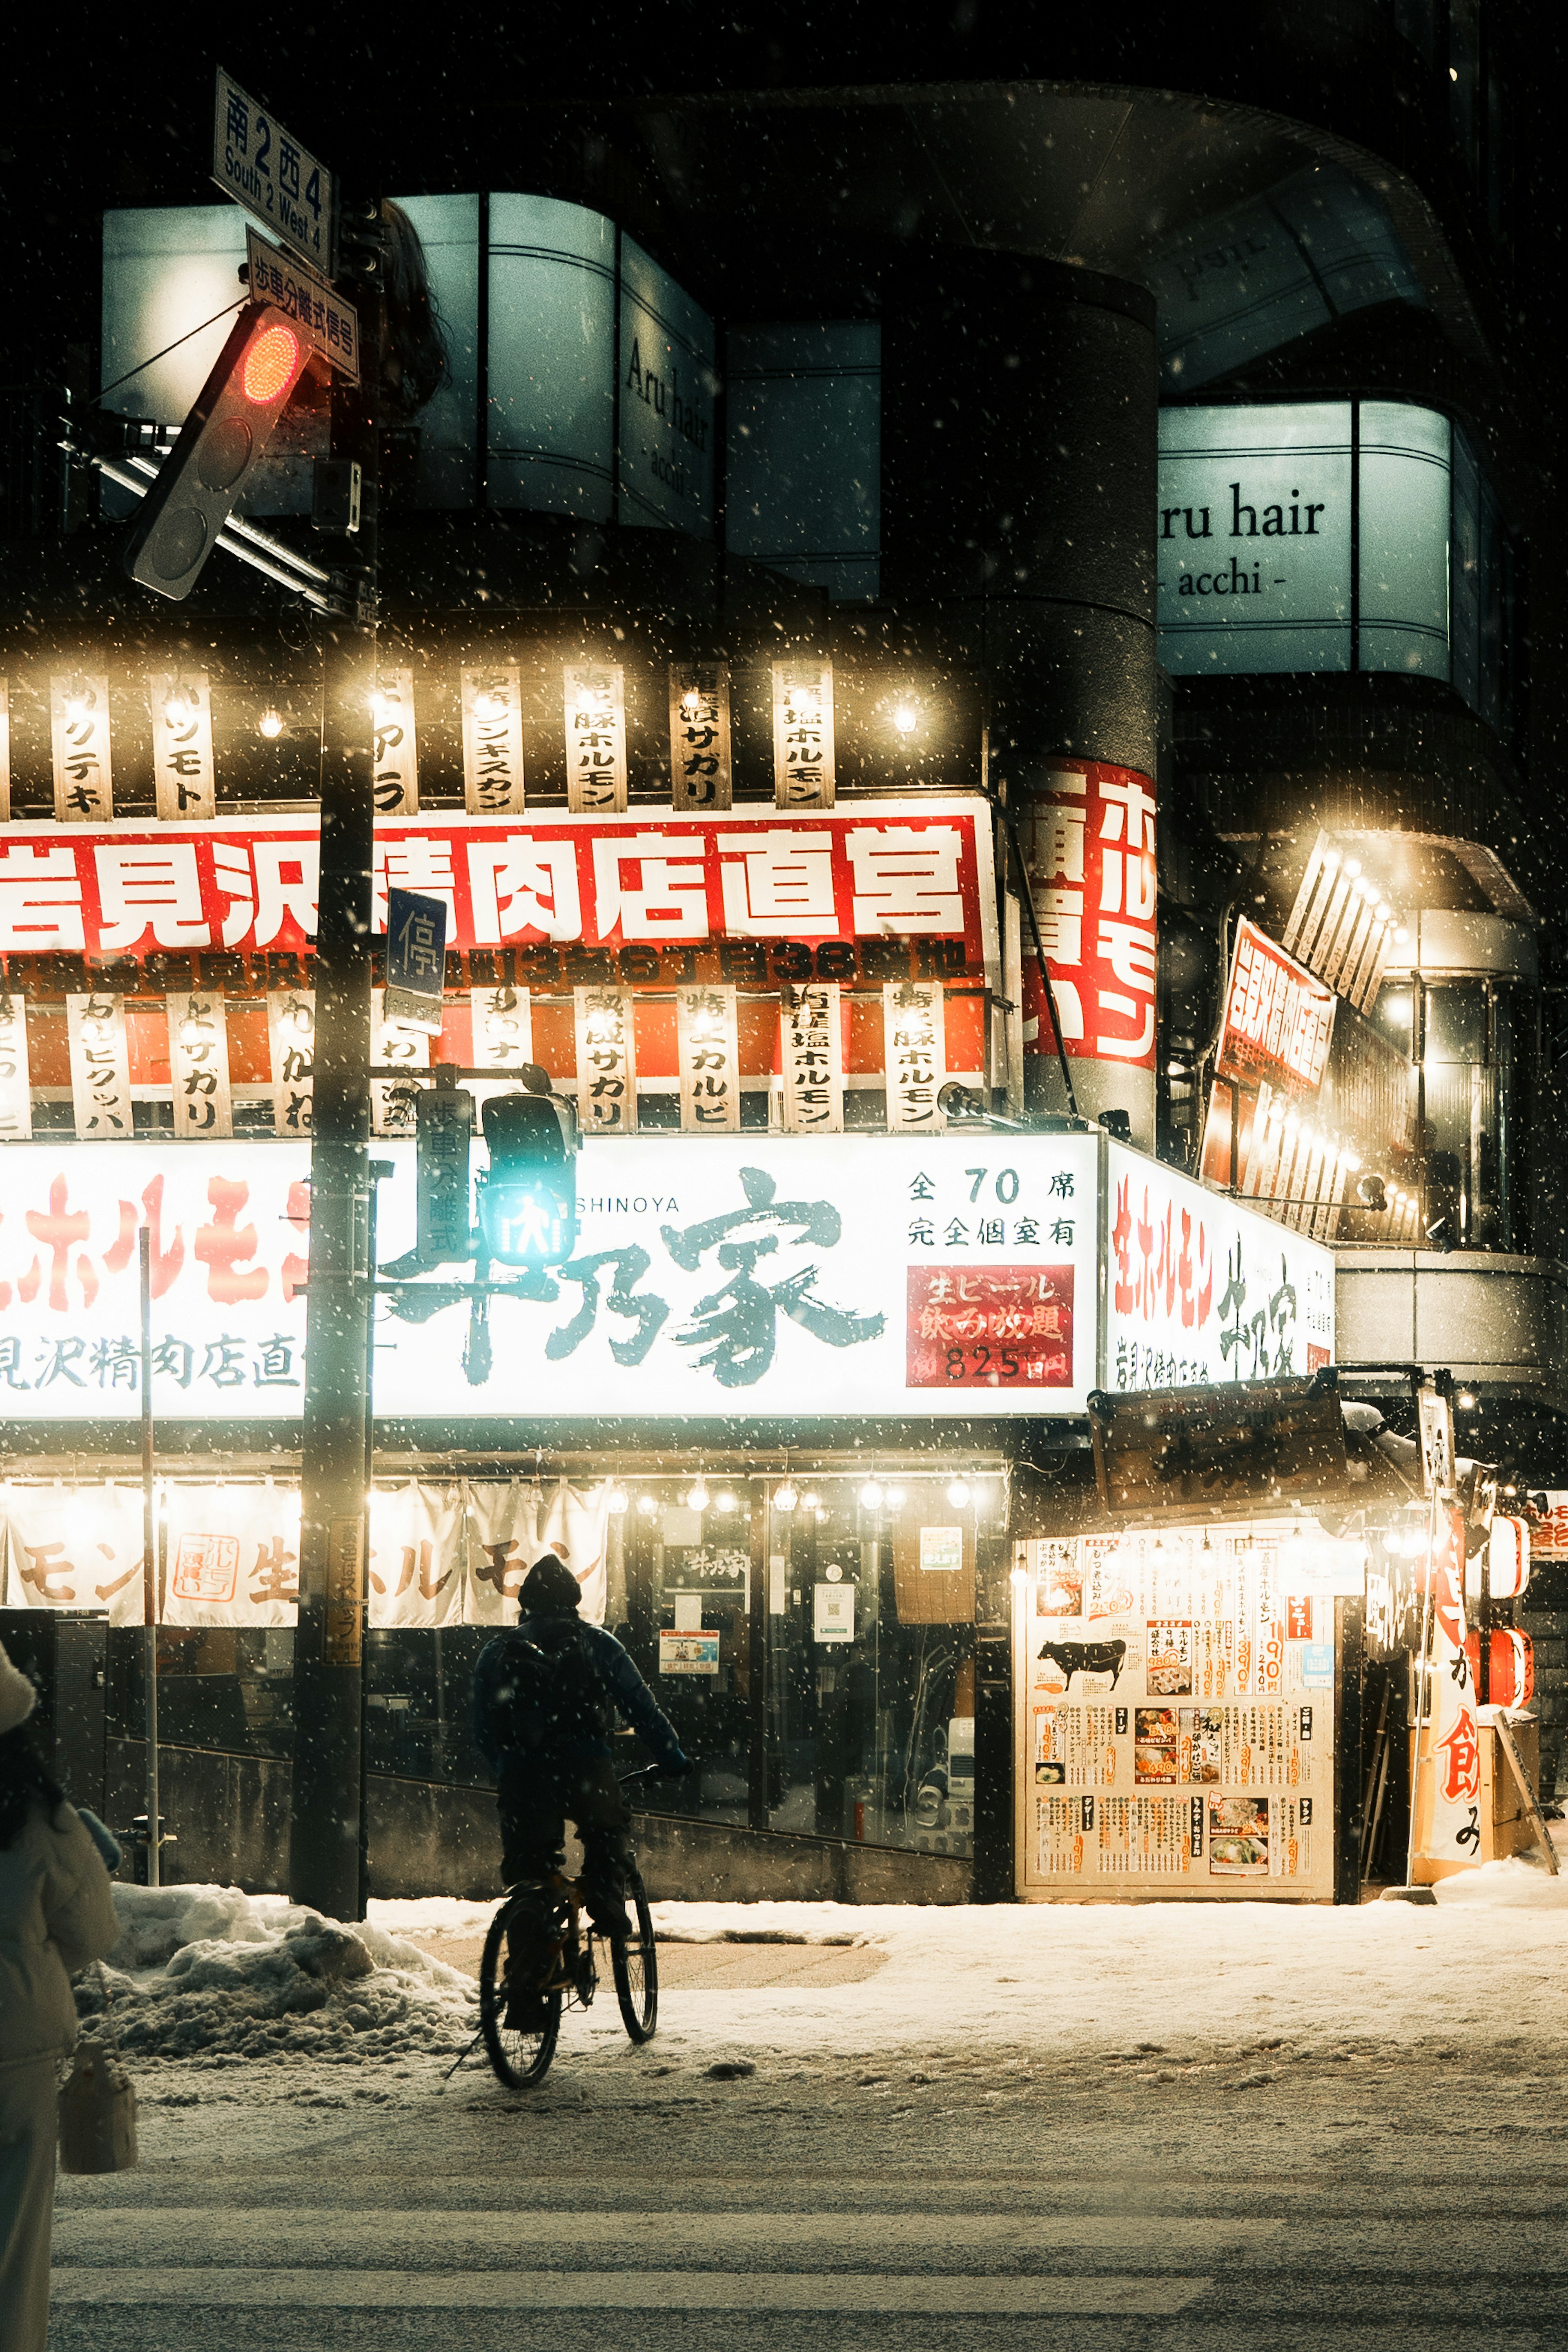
column 17, row 1696
column 548, row 1585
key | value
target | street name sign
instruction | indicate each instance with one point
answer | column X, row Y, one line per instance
column 329, row 323
column 265, row 168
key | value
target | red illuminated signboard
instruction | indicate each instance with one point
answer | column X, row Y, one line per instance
column 1278, row 1019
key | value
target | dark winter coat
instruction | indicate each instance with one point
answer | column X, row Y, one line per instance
column 626, row 1693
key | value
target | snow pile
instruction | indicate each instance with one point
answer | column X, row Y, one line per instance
column 208, row 1971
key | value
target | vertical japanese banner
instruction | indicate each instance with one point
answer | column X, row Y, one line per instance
column 198, row 1064
column 416, row 1556
column 183, row 773
column 5, row 750
column 596, row 702
column 76, row 1547
column 78, row 734
column 1091, row 866
column 392, row 1100
column 492, row 741
column 804, row 770
column 606, row 1061
column 291, row 1046
column 501, row 1022
column 710, row 1061
column 915, row 1054
column 503, row 1544
column 1451, row 1743
column 811, row 1057
column 231, row 1556
column 397, row 763
column 15, row 1083
column 699, row 769
column 100, row 1068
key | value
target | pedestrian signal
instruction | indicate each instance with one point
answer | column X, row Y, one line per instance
column 528, row 1196
column 220, row 447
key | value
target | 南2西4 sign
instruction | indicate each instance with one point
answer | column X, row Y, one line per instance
column 265, row 168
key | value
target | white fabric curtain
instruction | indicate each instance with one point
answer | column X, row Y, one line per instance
column 416, row 1556
column 504, row 1541
column 75, row 1547
column 231, row 1556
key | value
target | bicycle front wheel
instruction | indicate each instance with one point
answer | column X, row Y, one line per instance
column 635, row 1963
column 520, row 2030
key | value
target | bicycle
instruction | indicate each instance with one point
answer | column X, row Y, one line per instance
column 519, row 2038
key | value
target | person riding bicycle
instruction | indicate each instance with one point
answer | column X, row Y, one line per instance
column 546, row 1693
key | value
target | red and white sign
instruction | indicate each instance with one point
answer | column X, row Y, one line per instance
column 1089, row 850
column 1278, row 1019
column 911, row 869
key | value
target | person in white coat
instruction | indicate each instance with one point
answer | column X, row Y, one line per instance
column 56, row 1913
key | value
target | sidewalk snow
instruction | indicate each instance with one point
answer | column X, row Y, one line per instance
column 208, row 1972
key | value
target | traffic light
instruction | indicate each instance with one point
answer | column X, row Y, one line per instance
column 443, row 1120
column 528, row 1199
column 219, row 446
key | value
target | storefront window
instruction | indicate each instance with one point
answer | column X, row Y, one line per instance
column 1473, row 1043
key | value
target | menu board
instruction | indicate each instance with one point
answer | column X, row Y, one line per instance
column 1176, row 1714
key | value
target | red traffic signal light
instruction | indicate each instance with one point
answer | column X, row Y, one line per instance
column 219, row 445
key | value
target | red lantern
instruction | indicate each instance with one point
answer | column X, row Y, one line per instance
column 1512, row 1658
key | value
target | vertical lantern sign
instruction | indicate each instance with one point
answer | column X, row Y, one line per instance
column 606, row 1061
column 199, row 1063
column 15, row 1086
column 183, row 773
column 78, row 732
column 5, row 750
column 393, row 1100
column 595, row 739
column 803, row 769
column 812, row 1059
column 913, row 1029
column 100, row 1068
column 396, row 766
column 1451, row 1745
column 492, row 741
column 291, row 1040
column 710, row 1061
column 700, row 768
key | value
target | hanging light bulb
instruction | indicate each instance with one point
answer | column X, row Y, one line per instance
column 896, row 1498
column 906, row 717
column 647, row 1505
column 810, row 1500
column 958, row 1492
column 270, row 724
column 614, row 1498
column 785, row 1496
column 724, row 1500
column 871, row 1495
column 696, row 1495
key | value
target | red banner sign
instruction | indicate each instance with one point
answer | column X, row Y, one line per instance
column 900, row 871
column 1090, row 857
column 1278, row 1019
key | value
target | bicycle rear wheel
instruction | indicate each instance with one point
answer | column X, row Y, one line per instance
column 521, row 2054
column 635, row 1963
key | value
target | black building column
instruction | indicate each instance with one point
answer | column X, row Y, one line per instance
column 1019, row 486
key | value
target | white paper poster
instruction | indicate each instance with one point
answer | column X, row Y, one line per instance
column 78, row 734
column 416, row 1555
column 688, row 1654
column 198, row 1066
column 595, row 738
column 396, row 751
column 492, row 741
column 700, row 769
column 100, row 1068
column 183, row 773
column 833, row 1612
column 15, row 1076
column 292, row 1044
column 709, row 1060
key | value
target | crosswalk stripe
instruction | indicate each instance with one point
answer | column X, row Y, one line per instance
column 761, row 2291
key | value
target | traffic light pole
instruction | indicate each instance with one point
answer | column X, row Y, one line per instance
column 324, row 1835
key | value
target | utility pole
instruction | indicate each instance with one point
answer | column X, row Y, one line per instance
column 324, row 1835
